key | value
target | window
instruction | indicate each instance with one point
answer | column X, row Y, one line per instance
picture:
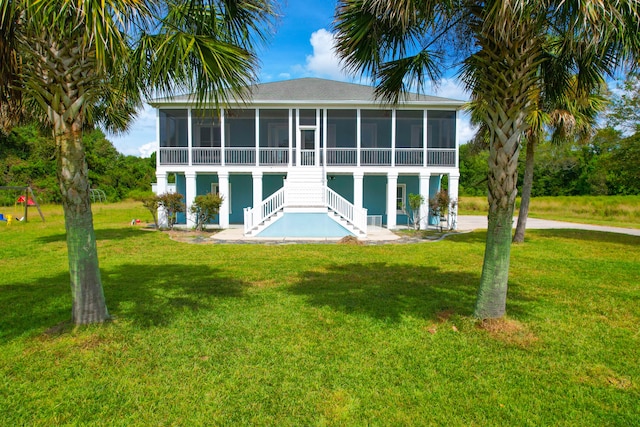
column 341, row 128
column 375, row 128
column 206, row 128
column 215, row 189
column 240, row 128
column 401, row 197
column 307, row 118
column 409, row 129
column 274, row 128
column 173, row 128
column 441, row 129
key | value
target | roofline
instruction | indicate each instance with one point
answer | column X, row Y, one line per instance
column 168, row 102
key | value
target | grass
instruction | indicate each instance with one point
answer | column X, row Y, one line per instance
column 318, row 334
column 617, row 211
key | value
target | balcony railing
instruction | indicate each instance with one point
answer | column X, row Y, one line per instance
column 174, row 156
column 206, row 156
column 280, row 156
column 441, row 157
column 274, row 156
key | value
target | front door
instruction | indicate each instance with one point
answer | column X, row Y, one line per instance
column 308, row 147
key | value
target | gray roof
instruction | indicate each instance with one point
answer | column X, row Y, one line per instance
column 314, row 90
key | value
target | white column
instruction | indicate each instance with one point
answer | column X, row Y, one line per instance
column 189, row 198
column 291, row 136
column 222, row 136
column 425, row 142
column 223, row 188
column 257, row 127
column 424, row 192
column 392, row 193
column 358, row 137
column 358, row 179
column 393, row 137
column 454, row 179
column 257, row 188
column 161, row 188
column 189, row 139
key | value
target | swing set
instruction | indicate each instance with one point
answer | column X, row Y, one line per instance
column 27, row 198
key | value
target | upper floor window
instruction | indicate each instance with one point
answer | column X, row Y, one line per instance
column 240, row 128
column 441, row 129
column 409, row 128
column 341, row 128
column 206, row 128
column 174, row 130
column 375, row 128
column 274, row 128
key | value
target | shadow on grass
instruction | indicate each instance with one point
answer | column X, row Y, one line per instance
column 588, row 236
column 120, row 233
column 388, row 291
column 149, row 295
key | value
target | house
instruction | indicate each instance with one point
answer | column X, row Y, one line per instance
column 310, row 157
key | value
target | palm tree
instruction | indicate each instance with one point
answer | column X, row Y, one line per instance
column 569, row 117
column 84, row 63
column 400, row 43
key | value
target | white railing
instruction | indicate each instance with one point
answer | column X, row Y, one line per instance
column 269, row 207
column 375, row 156
column 409, row 156
column 342, row 156
column 341, row 206
column 307, row 157
column 441, row 156
column 206, row 156
column 240, row 156
column 174, row 156
column 274, row 156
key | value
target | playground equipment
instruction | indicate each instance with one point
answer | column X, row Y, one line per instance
column 97, row 195
column 28, row 199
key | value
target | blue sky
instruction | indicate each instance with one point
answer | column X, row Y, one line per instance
column 301, row 47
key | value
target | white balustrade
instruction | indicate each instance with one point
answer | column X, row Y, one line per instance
column 274, row 156
column 342, row 156
column 307, row 157
column 441, row 156
column 174, row 156
column 206, row 156
column 269, row 207
column 375, row 156
column 341, row 206
column 409, row 156
column 240, row 155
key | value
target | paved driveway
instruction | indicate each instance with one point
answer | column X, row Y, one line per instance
column 473, row 222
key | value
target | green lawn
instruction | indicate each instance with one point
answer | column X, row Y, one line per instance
column 324, row 334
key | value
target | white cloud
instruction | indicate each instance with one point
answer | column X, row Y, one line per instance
column 284, row 76
column 147, row 149
column 467, row 130
column 323, row 62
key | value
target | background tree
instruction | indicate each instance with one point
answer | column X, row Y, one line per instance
column 400, row 45
column 84, row 63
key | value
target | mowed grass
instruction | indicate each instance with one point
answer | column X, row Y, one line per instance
column 615, row 211
column 325, row 334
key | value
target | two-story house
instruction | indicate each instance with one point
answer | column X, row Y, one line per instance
column 310, row 157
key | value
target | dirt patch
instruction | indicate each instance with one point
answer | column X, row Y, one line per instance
column 350, row 240
column 191, row 236
column 509, row 331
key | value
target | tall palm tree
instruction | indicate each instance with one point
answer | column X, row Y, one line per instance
column 570, row 117
column 397, row 43
column 81, row 63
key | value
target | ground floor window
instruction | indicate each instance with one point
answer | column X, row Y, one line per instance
column 401, row 196
column 215, row 189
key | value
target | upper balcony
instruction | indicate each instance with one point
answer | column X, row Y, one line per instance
column 308, row 137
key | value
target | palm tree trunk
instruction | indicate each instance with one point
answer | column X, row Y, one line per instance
column 527, row 185
column 86, row 286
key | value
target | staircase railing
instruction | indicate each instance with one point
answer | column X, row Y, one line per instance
column 269, row 207
column 356, row 216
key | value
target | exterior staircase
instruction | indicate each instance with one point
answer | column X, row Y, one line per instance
column 305, row 191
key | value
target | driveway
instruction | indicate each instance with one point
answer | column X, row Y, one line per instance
column 473, row 222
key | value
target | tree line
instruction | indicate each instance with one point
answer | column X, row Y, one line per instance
column 27, row 157
column 605, row 163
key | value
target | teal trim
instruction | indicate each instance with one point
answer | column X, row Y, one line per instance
column 271, row 183
column 341, row 184
column 241, row 196
column 374, row 197
column 434, row 187
column 181, row 187
column 305, row 225
column 412, row 183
